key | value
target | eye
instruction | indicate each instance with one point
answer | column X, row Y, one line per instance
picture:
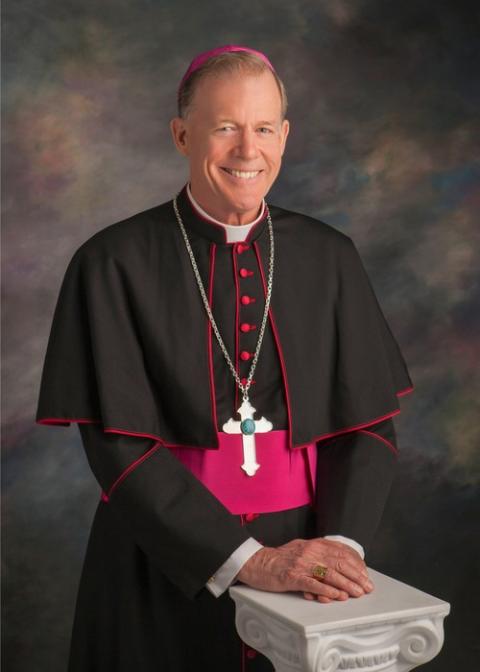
column 225, row 128
column 265, row 128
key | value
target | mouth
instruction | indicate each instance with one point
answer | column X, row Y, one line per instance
column 242, row 174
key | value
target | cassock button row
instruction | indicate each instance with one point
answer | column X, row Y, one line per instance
column 244, row 272
column 251, row 516
column 241, row 247
column 247, row 299
column 251, row 653
column 247, row 327
column 245, row 355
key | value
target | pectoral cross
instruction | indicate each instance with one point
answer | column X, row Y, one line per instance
column 248, row 427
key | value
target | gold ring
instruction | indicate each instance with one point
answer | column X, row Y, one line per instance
column 319, row 572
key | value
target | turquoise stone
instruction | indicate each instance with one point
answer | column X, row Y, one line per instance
column 247, row 426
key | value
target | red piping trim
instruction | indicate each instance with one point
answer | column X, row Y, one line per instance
column 265, row 211
column 63, row 421
column 68, row 421
column 213, row 249
column 237, row 300
column 407, row 390
column 255, row 226
column 128, row 470
column 127, row 432
column 387, row 443
column 153, row 436
column 277, row 343
column 320, row 437
column 113, row 430
column 355, row 427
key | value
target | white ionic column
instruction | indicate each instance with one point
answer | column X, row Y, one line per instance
column 395, row 628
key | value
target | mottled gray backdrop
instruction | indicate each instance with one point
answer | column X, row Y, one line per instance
column 384, row 146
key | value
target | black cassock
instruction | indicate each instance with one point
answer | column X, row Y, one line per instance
column 133, row 360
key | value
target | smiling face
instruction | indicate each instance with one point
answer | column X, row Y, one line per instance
column 234, row 139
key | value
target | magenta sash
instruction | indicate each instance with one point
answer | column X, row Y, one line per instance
column 285, row 479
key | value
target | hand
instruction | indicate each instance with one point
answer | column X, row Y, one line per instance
column 289, row 568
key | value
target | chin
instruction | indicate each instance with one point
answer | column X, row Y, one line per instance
column 245, row 196
column 244, row 204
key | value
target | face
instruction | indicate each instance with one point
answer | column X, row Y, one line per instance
column 234, row 140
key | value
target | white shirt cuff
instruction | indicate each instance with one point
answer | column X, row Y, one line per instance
column 349, row 542
column 224, row 576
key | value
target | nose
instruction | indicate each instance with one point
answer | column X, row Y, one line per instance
column 247, row 144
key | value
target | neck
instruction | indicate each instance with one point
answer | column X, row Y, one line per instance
column 234, row 219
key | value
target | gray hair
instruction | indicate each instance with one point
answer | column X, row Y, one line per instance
column 229, row 63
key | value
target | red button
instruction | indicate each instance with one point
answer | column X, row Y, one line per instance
column 251, row 653
column 245, row 355
column 244, row 272
column 244, row 381
column 247, row 327
column 251, row 516
column 241, row 247
column 247, row 299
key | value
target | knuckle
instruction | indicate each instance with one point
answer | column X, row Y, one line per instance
column 290, row 575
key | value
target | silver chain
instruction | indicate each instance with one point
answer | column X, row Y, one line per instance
column 244, row 388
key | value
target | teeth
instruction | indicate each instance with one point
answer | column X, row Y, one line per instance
column 248, row 175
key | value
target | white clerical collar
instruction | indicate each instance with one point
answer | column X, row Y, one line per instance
column 235, row 233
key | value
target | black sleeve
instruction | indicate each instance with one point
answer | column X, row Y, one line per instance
column 354, row 476
column 182, row 527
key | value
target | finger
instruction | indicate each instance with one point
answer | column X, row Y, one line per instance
column 334, row 578
column 355, row 567
column 311, row 585
column 320, row 598
column 339, row 550
column 323, row 549
column 351, row 572
column 341, row 598
column 349, row 567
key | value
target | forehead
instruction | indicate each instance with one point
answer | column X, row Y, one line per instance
column 222, row 94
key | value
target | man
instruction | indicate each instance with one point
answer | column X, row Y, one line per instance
column 234, row 383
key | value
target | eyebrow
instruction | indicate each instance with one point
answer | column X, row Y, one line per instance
column 230, row 121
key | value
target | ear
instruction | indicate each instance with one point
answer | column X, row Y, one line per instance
column 178, row 128
column 284, row 134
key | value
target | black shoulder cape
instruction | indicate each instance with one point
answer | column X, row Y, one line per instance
column 131, row 347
